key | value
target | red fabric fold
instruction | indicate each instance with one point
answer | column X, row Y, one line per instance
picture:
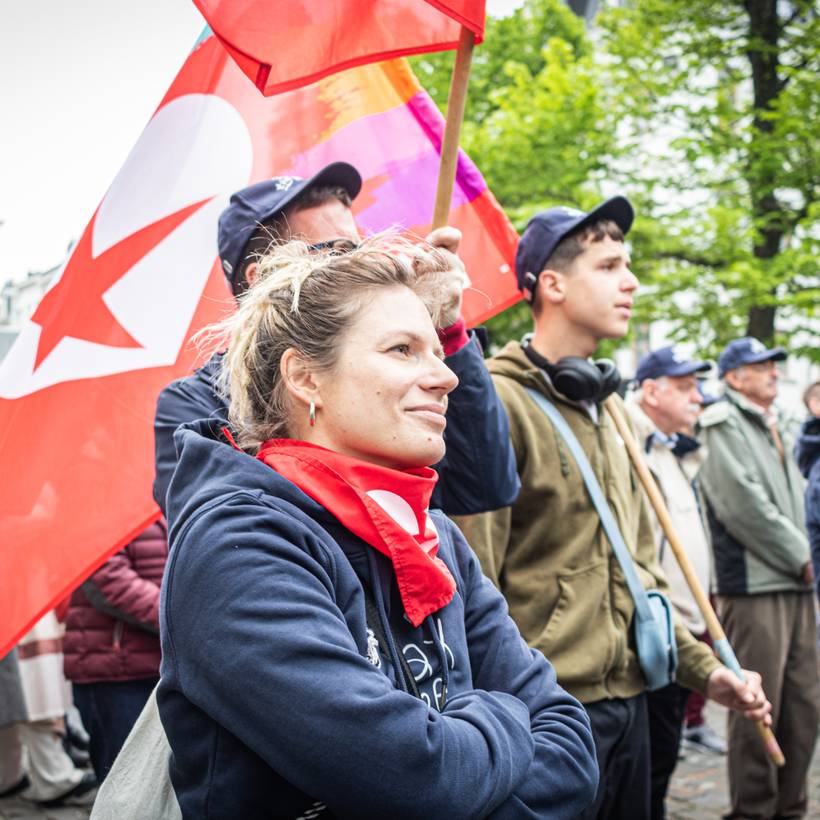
column 388, row 509
column 282, row 46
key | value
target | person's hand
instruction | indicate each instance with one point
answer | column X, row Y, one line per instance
column 808, row 573
column 748, row 698
column 447, row 240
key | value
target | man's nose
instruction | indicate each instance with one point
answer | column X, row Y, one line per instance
column 631, row 282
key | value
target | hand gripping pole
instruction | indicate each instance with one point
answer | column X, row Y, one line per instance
column 720, row 643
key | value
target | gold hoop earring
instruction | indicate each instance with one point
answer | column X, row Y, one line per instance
column 312, row 414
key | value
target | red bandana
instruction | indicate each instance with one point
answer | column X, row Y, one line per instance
column 385, row 508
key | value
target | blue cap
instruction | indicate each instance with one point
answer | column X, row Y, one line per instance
column 668, row 361
column 747, row 350
column 258, row 203
column 547, row 228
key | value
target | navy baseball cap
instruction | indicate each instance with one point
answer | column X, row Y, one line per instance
column 668, row 361
column 258, row 203
column 747, row 350
column 547, row 228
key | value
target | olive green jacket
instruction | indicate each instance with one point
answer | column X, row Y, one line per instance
column 548, row 553
column 754, row 502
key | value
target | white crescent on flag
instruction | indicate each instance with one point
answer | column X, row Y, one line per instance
column 193, row 154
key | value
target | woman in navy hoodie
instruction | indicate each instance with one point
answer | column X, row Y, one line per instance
column 330, row 647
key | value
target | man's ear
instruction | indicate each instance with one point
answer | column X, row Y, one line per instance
column 250, row 273
column 552, row 286
column 299, row 378
column 649, row 392
column 734, row 378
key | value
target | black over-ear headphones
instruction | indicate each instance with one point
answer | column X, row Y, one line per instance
column 578, row 378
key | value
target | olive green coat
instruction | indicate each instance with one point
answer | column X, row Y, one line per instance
column 754, row 501
column 549, row 555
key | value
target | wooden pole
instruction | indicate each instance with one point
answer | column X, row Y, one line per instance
column 722, row 647
column 452, row 127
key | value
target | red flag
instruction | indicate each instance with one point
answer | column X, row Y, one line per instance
column 283, row 45
column 78, row 389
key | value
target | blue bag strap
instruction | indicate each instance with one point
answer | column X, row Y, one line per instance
column 636, row 589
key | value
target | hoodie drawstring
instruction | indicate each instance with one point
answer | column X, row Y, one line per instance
column 442, row 658
column 381, row 627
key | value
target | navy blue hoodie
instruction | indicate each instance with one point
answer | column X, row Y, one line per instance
column 807, row 454
column 477, row 474
column 275, row 703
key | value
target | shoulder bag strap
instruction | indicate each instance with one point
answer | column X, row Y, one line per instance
column 636, row 589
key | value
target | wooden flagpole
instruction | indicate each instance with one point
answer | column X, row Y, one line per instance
column 722, row 647
column 452, row 127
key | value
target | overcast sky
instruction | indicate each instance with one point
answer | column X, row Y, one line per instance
column 79, row 83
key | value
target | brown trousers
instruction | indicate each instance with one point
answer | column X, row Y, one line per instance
column 774, row 634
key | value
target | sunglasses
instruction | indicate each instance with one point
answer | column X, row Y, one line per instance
column 335, row 245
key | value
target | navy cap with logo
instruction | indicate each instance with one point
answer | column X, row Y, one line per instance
column 747, row 350
column 668, row 361
column 256, row 204
column 547, row 228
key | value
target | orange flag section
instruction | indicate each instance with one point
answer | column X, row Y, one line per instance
column 283, row 45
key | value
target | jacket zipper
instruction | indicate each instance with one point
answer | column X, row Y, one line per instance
column 118, row 629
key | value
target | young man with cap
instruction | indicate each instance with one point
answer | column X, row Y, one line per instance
column 663, row 411
column 763, row 570
column 548, row 552
column 478, row 470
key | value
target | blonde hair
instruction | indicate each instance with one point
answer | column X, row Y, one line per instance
column 307, row 300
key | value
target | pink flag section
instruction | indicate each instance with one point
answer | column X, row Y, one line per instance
column 281, row 45
column 78, row 390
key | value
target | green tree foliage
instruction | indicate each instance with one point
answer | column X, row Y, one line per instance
column 719, row 121
column 704, row 113
column 520, row 37
column 536, row 121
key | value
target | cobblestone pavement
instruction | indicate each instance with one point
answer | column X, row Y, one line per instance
column 698, row 790
column 19, row 809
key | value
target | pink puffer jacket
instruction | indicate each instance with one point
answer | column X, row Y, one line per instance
column 112, row 626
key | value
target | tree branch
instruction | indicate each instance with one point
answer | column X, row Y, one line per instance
column 693, row 259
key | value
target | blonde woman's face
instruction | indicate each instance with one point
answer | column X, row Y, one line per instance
column 385, row 400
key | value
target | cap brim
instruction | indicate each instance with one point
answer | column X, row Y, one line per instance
column 337, row 174
column 776, row 354
column 340, row 174
column 688, row 368
column 618, row 209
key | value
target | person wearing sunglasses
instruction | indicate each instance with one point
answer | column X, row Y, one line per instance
column 478, row 472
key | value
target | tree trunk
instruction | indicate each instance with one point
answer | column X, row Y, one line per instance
column 761, row 323
column 763, row 54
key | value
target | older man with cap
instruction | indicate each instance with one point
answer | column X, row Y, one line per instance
column 478, row 470
column 664, row 409
column 753, row 491
column 549, row 553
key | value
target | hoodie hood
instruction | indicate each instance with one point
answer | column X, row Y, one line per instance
column 513, row 363
column 807, row 449
column 210, row 468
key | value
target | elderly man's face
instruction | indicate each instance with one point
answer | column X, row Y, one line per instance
column 757, row 382
column 672, row 402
